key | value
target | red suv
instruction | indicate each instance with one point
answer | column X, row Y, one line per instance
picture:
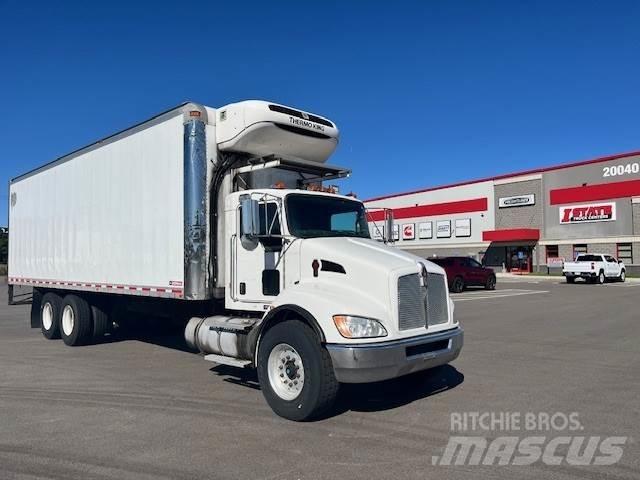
column 465, row 271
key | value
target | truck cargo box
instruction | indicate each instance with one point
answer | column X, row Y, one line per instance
column 126, row 214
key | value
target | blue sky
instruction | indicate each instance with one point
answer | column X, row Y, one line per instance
column 424, row 92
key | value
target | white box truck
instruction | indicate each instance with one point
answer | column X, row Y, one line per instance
column 219, row 216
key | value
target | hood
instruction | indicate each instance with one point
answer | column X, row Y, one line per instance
column 363, row 253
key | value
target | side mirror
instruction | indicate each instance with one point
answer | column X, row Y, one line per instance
column 250, row 227
column 620, row 261
column 388, row 225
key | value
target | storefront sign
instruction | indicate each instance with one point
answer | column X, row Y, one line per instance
column 396, row 232
column 595, row 212
column 425, row 230
column 555, row 262
column 463, row 227
column 517, row 201
column 377, row 231
column 408, row 231
column 443, row 229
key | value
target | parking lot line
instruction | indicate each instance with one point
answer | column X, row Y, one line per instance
column 465, row 297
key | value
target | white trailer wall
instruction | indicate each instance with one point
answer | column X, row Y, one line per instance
column 112, row 216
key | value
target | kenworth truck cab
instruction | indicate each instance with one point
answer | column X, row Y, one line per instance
column 283, row 267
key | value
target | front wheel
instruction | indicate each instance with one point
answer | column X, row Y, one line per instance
column 491, row 283
column 457, row 285
column 623, row 276
column 295, row 372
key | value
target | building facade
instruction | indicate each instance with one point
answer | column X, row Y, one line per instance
column 528, row 221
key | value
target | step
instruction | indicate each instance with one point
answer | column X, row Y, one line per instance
column 224, row 360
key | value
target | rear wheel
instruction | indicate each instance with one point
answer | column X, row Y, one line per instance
column 457, row 285
column 601, row 278
column 295, row 372
column 50, row 308
column 571, row 279
column 491, row 283
column 75, row 320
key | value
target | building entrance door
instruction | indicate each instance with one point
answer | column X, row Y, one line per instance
column 519, row 259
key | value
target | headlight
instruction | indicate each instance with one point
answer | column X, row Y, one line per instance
column 358, row 327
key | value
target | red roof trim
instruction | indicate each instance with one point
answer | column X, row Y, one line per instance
column 509, row 175
column 434, row 209
column 600, row 191
column 511, row 235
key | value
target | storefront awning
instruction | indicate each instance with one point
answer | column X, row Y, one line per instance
column 511, row 235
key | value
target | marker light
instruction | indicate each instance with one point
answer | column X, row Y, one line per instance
column 350, row 326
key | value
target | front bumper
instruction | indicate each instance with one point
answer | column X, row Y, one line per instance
column 373, row 362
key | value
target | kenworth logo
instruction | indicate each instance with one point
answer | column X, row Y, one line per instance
column 600, row 212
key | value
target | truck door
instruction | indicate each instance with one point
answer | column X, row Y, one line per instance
column 612, row 268
column 257, row 271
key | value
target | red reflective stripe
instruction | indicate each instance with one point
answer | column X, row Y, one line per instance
column 589, row 193
column 448, row 208
column 512, row 234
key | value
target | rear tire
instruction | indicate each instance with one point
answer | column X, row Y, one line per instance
column 50, row 308
column 491, row 283
column 601, row 278
column 75, row 320
column 290, row 352
column 571, row 279
column 457, row 285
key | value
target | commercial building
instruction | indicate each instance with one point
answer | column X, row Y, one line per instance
column 525, row 221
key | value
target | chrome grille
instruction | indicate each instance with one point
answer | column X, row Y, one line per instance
column 419, row 306
column 411, row 302
column 437, row 301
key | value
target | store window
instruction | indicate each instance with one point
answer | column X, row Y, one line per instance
column 579, row 249
column 552, row 251
column 625, row 253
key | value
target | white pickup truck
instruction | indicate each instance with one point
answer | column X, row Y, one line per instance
column 594, row 267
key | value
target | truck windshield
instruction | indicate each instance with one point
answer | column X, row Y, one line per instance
column 311, row 216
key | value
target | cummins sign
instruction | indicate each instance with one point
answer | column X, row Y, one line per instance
column 517, row 201
column 595, row 212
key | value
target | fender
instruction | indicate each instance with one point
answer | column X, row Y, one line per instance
column 282, row 310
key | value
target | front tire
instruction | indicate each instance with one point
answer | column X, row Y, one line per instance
column 491, row 283
column 295, row 372
column 75, row 320
column 457, row 285
column 50, row 308
column 623, row 276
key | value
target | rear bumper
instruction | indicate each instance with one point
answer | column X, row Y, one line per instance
column 589, row 274
column 373, row 362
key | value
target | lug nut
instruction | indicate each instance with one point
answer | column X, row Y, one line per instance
column 288, row 357
column 282, row 374
column 280, row 367
column 290, row 384
column 295, row 382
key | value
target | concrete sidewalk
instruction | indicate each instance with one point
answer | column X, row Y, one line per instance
column 534, row 276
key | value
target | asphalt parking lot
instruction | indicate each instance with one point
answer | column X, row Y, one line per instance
column 139, row 408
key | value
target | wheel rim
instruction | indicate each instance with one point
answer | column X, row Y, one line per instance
column 47, row 316
column 623, row 276
column 492, row 282
column 286, row 371
column 602, row 278
column 457, row 285
column 68, row 320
